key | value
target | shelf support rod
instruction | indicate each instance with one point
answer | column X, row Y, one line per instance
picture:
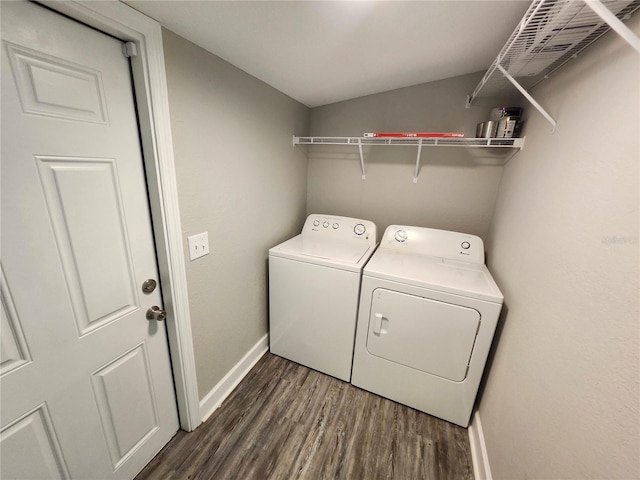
column 615, row 23
column 528, row 97
column 364, row 176
column 415, row 175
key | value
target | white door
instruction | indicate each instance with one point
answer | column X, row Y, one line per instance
column 85, row 378
column 427, row 335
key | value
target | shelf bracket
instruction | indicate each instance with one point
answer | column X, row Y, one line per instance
column 364, row 175
column 514, row 151
column 415, row 175
column 526, row 94
column 615, row 23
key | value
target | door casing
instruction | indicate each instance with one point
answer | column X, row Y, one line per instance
column 149, row 82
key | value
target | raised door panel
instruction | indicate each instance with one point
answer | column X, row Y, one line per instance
column 30, row 449
column 428, row 335
column 125, row 398
column 14, row 351
column 54, row 87
column 97, row 262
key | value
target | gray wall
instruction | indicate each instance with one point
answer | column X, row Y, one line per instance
column 240, row 179
column 562, row 398
column 457, row 187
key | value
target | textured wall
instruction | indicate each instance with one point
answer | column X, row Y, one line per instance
column 240, row 179
column 457, row 187
column 562, row 398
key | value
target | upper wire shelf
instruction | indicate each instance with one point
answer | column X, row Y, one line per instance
column 551, row 33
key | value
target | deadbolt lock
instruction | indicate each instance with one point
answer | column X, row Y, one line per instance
column 156, row 313
column 149, row 285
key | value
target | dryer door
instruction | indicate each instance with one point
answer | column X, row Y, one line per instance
column 432, row 336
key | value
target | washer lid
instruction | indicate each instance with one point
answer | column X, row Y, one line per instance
column 451, row 276
column 348, row 255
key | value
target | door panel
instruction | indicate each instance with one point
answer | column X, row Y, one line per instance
column 30, row 448
column 14, row 351
column 428, row 335
column 97, row 263
column 124, row 392
column 52, row 86
column 86, row 386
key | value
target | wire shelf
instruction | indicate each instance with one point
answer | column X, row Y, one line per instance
column 515, row 144
column 412, row 141
column 550, row 34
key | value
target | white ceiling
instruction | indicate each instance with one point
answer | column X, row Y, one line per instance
column 320, row 52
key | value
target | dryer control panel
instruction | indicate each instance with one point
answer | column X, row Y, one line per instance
column 434, row 242
column 340, row 228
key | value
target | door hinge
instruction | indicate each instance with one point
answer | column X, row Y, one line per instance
column 129, row 49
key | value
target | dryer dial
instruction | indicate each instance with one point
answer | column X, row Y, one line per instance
column 401, row 236
column 359, row 229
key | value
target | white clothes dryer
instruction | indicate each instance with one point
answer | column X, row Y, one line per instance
column 314, row 287
column 428, row 312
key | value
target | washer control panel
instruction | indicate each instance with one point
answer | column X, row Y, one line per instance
column 434, row 242
column 329, row 226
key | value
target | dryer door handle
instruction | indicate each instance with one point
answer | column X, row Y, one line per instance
column 380, row 324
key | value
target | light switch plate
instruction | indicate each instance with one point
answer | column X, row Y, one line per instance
column 198, row 245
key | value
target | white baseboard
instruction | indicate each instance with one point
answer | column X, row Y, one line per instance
column 481, row 469
column 224, row 387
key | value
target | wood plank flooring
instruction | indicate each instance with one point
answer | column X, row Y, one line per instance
column 285, row 421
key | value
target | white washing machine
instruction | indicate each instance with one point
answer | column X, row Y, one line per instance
column 428, row 312
column 314, row 287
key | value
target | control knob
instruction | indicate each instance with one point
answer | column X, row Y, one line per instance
column 359, row 229
column 401, row 236
column 325, row 224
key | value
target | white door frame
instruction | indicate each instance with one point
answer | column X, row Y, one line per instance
column 149, row 78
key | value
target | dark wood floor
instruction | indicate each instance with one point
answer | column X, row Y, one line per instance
column 285, row 421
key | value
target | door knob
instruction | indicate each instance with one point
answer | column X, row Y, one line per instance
column 155, row 313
